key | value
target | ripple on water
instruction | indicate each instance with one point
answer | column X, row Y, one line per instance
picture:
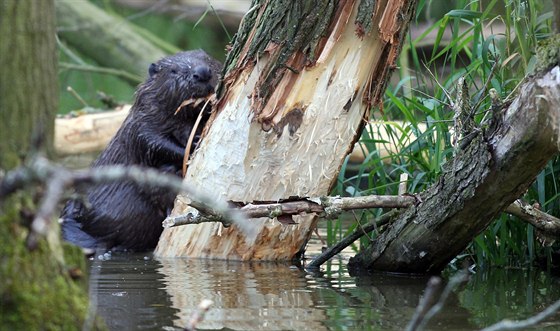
column 134, row 293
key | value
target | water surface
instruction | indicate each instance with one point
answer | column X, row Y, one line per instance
column 138, row 292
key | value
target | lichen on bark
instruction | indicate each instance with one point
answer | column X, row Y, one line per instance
column 548, row 53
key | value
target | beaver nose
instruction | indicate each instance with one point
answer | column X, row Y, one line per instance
column 202, row 74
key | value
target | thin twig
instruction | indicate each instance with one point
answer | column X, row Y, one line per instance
column 531, row 321
column 455, row 281
column 198, row 315
column 348, row 240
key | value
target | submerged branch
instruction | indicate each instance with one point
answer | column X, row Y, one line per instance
column 348, row 240
column 531, row 321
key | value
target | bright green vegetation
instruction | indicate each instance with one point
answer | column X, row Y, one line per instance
column 491, row 44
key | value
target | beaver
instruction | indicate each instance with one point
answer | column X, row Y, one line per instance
column 123, row 215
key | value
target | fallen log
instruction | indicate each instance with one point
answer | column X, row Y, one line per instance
column 484, row 178
column 87, row 133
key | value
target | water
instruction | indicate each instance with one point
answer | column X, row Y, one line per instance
column 137, row 292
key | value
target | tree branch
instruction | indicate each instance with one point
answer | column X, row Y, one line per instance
column 348, row 240
column 531, row 321
column 539, row 219
column 326, row 207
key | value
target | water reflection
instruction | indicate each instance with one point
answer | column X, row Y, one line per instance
column 246, row 296
column 129, row 293
column 138, row 293
column 514, row 294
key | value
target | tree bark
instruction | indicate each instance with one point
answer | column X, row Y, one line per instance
column 28, row 96
column 301, row 78
column 487, row 176
column 36, row 290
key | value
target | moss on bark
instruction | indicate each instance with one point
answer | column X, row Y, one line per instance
column 37, row 291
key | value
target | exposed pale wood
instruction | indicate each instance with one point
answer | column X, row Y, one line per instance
column 240, row 161
column 482, row 180
column 87, row 133
column 91, row 132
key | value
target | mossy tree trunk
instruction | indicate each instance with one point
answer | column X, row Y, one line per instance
column 301, row 79
column 36, row 291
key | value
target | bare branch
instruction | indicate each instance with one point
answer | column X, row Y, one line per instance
column 58, row 178
column 326, row 207
column 539, row 219
column 428, row 308
column 531, row 321
column 348, row 240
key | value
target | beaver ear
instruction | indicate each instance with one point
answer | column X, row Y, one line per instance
column 153, row 69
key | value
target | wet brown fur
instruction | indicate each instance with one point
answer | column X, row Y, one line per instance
column 123, row 215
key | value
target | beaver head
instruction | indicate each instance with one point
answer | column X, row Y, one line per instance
column 176, row 78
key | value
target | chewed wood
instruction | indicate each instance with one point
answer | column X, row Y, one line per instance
column 240, row 160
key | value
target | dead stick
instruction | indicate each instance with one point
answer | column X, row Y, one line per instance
column 348, row 240
column 328, row 207
column 539, row 219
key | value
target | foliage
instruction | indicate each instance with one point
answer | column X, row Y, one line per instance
column 164, row 31
column 492, row 45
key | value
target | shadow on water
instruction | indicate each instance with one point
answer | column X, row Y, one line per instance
column 135, row 292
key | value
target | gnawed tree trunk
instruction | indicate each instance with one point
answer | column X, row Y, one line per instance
column 484, row 178
column 300, row 81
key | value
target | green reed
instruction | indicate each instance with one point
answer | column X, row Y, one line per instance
column 492, row 45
